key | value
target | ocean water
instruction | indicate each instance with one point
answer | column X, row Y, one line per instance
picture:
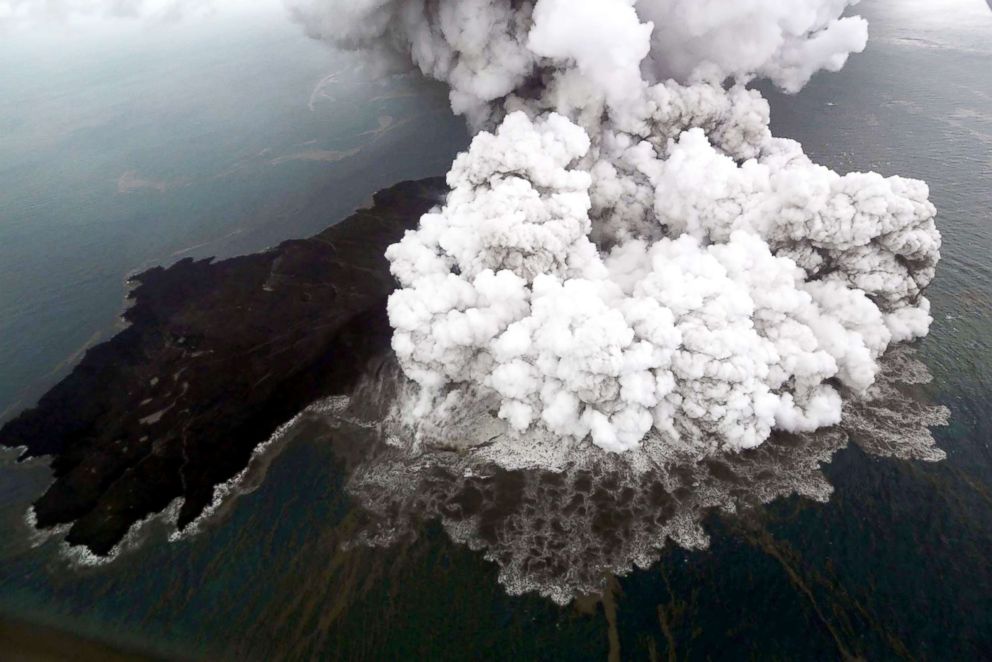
column 126, row 150
column 893, row 565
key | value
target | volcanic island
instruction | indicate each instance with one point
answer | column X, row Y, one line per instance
column 215, row 357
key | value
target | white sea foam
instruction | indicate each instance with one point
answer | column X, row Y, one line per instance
column 250, row 478
column 136, row 536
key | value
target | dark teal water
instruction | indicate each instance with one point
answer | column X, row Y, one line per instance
column 895, row 565
column 123, row 151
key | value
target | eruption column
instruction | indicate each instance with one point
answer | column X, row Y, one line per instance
column 627, row 254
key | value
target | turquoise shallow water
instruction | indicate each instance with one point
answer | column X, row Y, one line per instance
column 894, row 565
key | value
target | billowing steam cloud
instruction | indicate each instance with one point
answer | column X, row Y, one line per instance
column 627, row 255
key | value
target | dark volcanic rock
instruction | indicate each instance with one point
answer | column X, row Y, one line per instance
column 216, row 357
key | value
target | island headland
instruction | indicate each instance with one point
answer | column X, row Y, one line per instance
column 215, row 357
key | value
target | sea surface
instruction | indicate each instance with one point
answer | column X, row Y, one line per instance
column 124, row 150
column 893, row 565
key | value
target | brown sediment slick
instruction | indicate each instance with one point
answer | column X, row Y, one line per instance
column 217, row 356
column 561, row 533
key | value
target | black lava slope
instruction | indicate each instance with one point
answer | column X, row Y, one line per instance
column 217, row 355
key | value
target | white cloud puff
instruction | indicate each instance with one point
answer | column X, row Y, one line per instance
column 627, row 255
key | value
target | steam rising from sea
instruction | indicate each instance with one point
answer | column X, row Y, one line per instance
column 628, row 258
column 636, row 305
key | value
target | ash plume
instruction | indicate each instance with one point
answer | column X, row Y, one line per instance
column 627, row 255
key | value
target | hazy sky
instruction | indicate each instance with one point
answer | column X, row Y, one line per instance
column 74, row 15
column 28, row 16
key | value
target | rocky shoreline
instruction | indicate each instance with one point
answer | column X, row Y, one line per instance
column 216, row 356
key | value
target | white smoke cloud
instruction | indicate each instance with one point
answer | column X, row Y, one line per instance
column 604, row 38
column 627, row 254
column 786, row 42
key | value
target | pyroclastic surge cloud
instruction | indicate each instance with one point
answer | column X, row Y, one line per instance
column 627, row 254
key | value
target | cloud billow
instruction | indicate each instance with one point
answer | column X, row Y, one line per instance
column 627, row 255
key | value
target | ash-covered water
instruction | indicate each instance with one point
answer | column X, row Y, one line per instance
column 562, row 532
